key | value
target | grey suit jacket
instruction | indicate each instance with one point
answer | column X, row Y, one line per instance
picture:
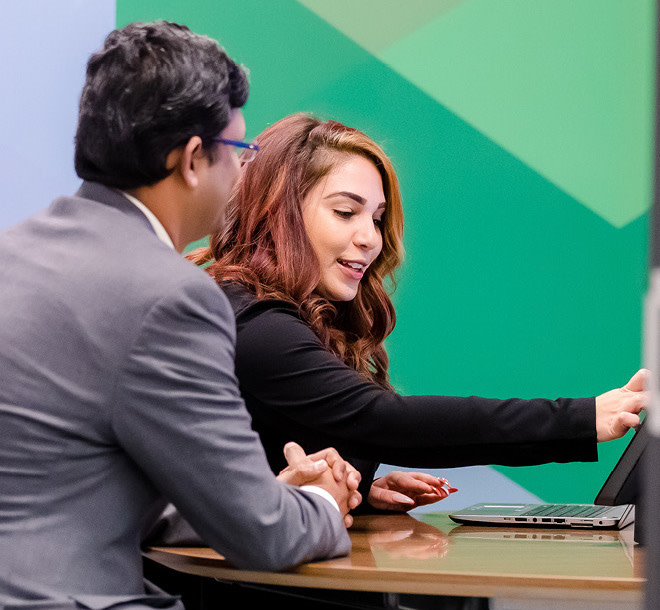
column 118, row 395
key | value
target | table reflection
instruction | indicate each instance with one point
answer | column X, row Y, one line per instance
column 432, row 542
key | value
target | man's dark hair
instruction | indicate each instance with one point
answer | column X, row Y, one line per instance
column 150, row 89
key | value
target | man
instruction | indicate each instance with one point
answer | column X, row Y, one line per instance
column 117, row 390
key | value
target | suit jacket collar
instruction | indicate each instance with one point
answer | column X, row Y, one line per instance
column 113, row 198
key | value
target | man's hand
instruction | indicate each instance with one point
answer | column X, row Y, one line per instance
column 403, row 491
column 325, row 469
column 618, row 410
column 302, row 469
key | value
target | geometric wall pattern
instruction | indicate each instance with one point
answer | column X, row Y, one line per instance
column 527, row 75
column 521, row 132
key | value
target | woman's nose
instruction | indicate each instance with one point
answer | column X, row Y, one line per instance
column 367, row 235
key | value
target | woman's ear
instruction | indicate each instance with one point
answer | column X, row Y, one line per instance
column 186, row 161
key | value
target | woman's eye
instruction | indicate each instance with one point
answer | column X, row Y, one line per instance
column 378, row 222
column 344, row 213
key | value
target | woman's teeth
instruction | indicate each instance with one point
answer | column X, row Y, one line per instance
column 356, row 266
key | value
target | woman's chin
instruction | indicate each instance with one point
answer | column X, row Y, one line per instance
column 338, row 293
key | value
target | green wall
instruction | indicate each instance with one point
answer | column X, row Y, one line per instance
column 522, row 134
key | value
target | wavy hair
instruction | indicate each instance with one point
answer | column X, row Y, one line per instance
column 264, row 245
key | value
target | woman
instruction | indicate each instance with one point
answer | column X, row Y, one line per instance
column 313, row 230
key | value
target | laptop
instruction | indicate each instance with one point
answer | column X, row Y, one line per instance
column 613, row 508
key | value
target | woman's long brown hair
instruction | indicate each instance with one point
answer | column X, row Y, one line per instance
column 265, row 247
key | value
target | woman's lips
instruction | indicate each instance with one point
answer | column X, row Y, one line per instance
column 354, row 269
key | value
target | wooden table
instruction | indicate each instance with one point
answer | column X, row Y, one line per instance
column 431, row 555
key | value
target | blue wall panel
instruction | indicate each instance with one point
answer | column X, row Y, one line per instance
column 44, row 46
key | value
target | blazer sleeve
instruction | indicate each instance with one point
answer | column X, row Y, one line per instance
column 179, row 415
column 294, row 385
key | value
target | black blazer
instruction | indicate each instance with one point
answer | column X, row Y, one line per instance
column 295, row 389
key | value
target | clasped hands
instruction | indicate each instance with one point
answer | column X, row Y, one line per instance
column 325, row 469
column 396, row 491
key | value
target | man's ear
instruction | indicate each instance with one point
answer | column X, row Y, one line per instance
column 186, row 161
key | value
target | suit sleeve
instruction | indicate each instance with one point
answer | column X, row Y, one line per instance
column 179, row 416
column 292, row 383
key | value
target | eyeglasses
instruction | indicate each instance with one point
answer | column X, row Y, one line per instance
column 246, row 150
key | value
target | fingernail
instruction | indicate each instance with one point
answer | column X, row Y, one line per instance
column 320, row 466
column 397, row 497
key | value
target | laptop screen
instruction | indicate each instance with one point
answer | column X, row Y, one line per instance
column 623, row 486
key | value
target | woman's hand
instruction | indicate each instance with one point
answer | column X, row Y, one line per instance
column 403, row 491
column 618, row 410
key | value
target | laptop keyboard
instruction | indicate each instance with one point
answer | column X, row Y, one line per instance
column 566, row 510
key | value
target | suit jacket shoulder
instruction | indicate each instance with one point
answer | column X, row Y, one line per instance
column 119, row 393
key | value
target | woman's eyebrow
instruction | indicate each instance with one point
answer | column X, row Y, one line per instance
column 354, row 196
